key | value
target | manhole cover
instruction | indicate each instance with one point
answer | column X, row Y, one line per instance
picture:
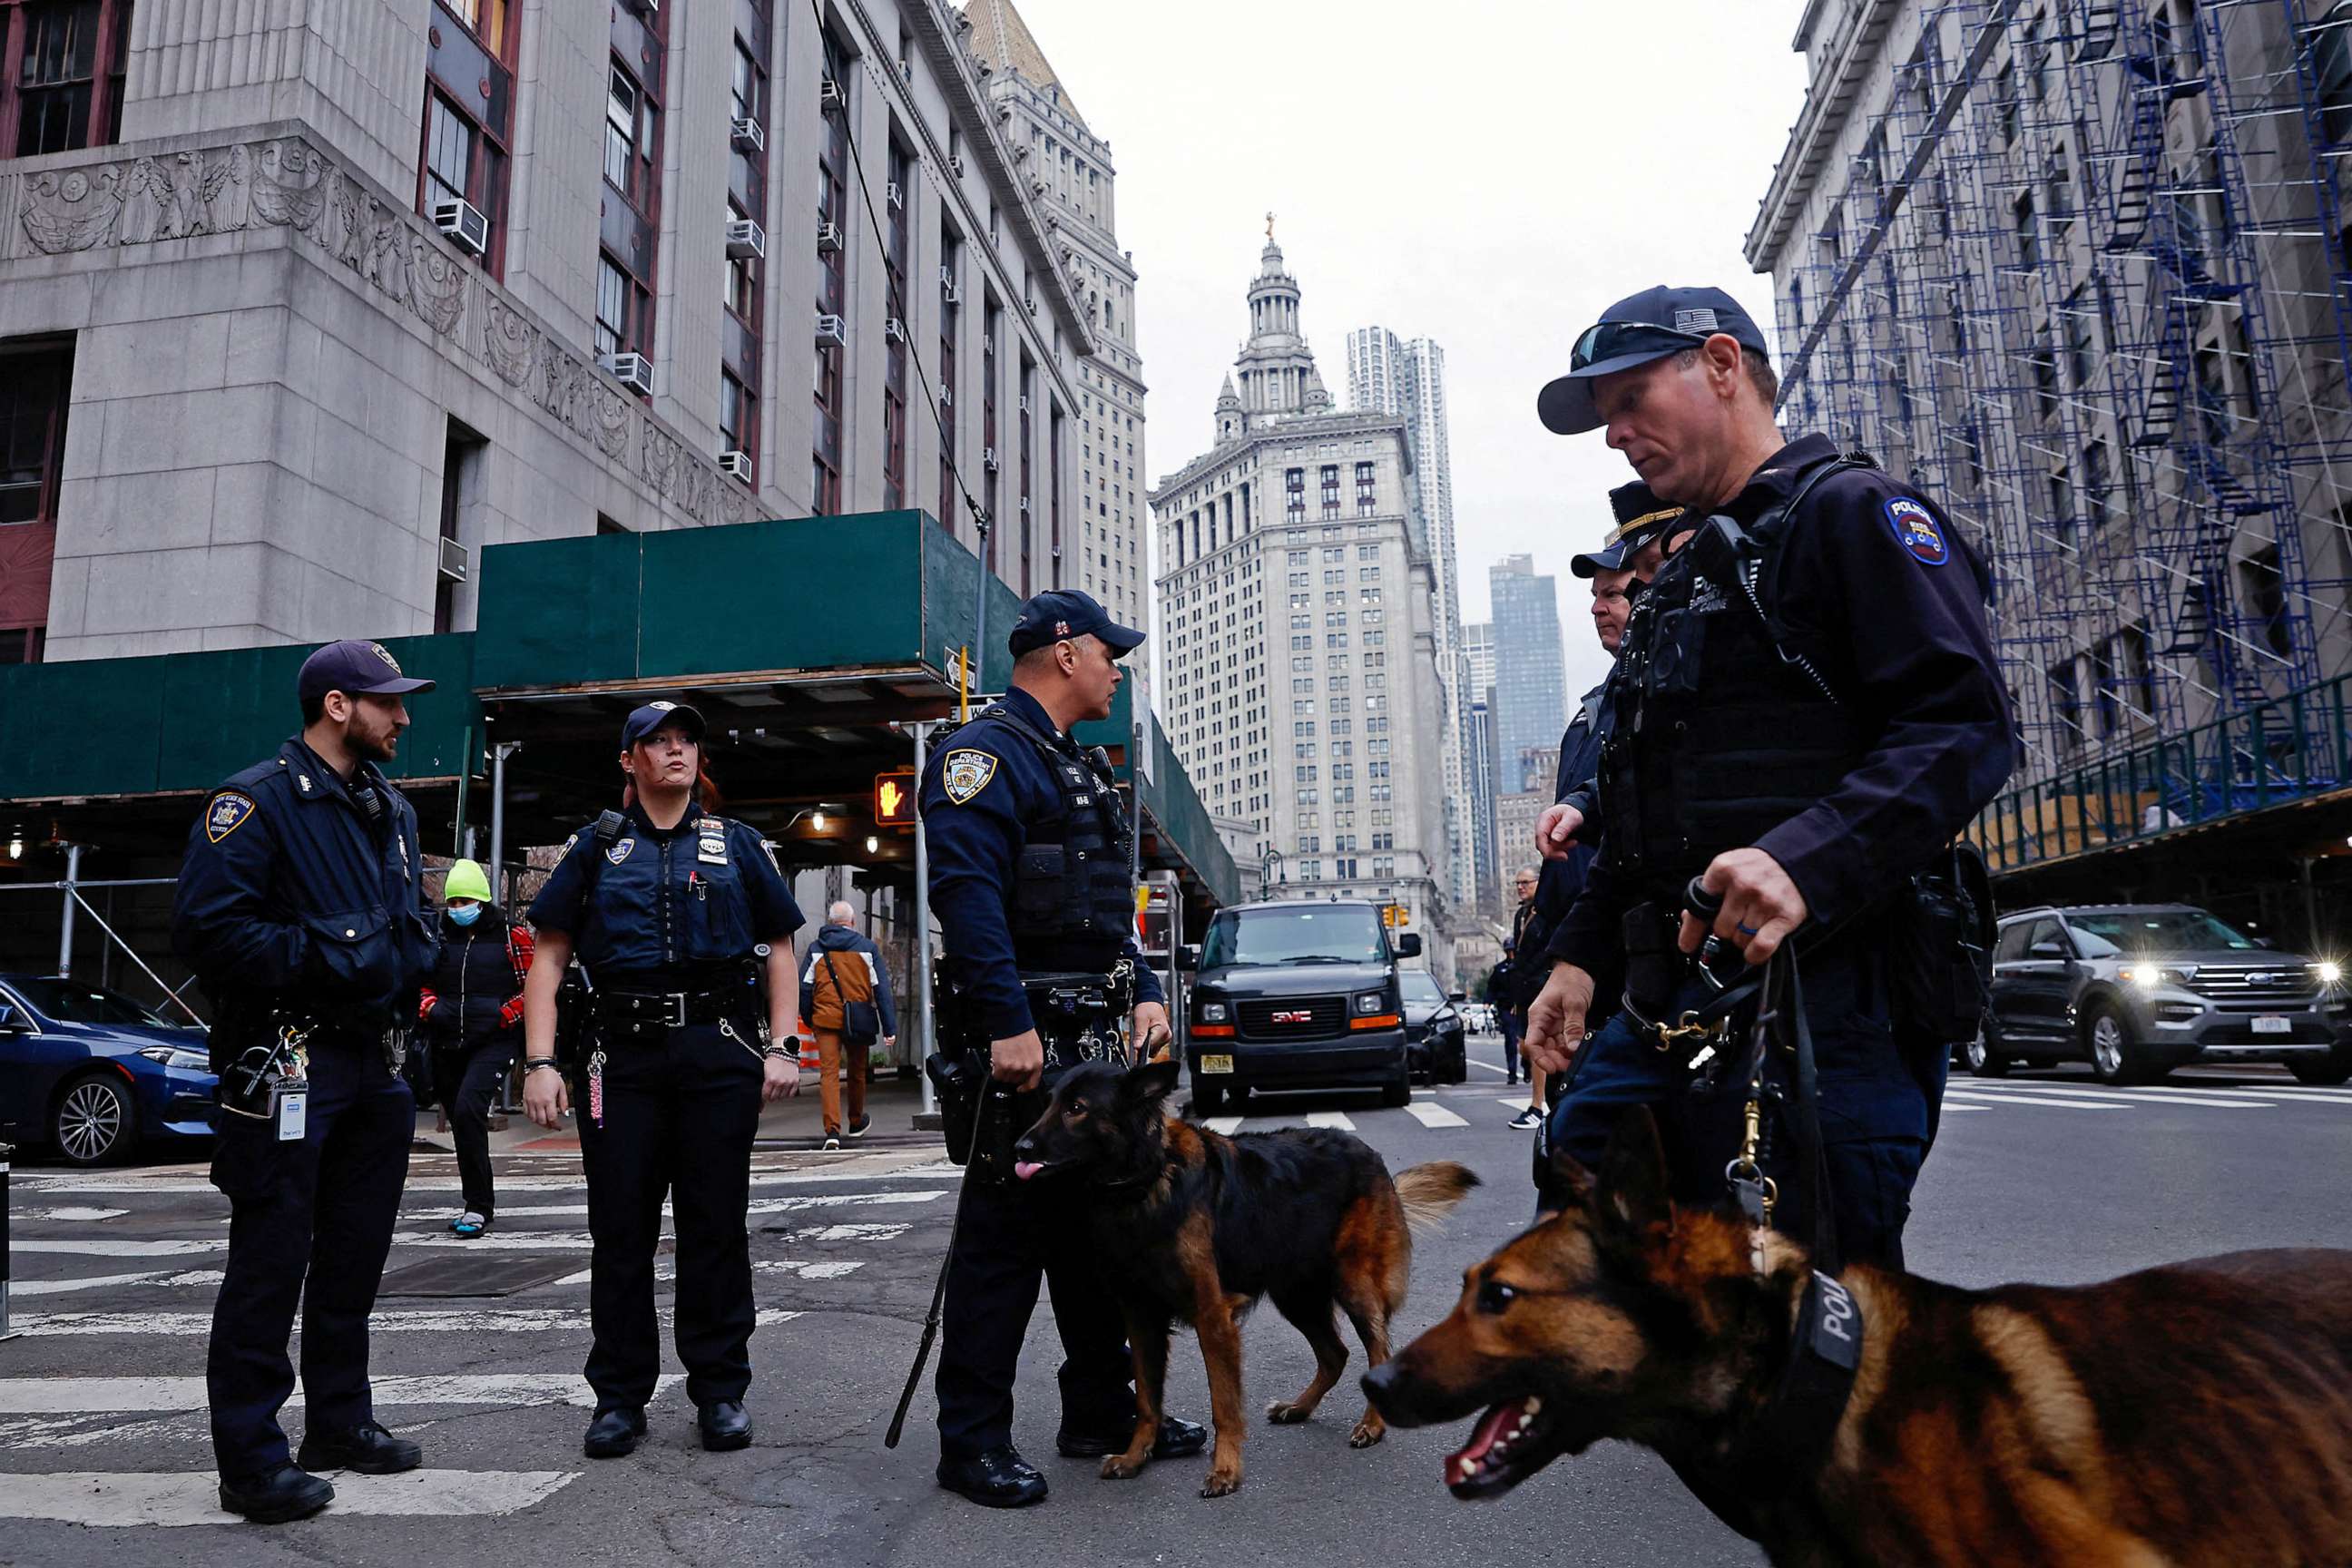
column 478, row 1274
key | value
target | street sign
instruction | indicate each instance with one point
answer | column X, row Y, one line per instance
column 894, row 799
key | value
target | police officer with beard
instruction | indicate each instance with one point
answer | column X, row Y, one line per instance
column 1030, row 879
column 300, row 908
column 1807, row 713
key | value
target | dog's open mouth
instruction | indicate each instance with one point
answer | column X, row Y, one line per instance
column 1024, row 1169
column 1510, row 1443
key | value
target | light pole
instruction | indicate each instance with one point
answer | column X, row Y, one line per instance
column 1267, row 867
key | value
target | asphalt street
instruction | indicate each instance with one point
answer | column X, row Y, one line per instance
column 102, row 1441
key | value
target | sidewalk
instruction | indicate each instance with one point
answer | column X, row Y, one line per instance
column 795, row 1123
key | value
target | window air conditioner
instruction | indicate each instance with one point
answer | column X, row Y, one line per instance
column 895, row 330
column 830, row 332
column 988, row 458
column 454, row 561
column 747, row 135
column 828, row 238
column 1025, row 402
column 830, row 95
column 736, row 465
column 955, row 166
column 463, row 222
column 633, row 371
column 892, row 196
column 745, row 239
column 950, row 294
column 1024, row 506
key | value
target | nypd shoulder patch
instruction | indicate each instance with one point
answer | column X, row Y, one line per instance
column 621, row 851
column 965, row 773
column 1917, row 529
column 226, row 814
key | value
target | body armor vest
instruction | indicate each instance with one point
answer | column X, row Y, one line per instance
column 1074, row 892
column 1720, row 734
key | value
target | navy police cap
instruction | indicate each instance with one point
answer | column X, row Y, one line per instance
column 1630, row 333
column 1060, row 613
column 355, row 668
column 645, row 720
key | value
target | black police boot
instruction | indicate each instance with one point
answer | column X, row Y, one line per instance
column 276, row 1496
column 1178, row 1439
column 368, row 1449
column 614, row 1432
column 1000, row 1477
column 726, row 1425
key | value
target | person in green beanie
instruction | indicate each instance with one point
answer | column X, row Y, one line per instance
column 471, row 1014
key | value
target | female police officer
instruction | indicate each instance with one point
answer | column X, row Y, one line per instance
column 677, row 918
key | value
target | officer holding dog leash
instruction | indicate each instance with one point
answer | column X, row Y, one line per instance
column 300, row 908
column 1807, row 713
column 1030, row 879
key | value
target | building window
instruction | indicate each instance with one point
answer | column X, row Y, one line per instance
column 992, row 327
column 739, row 415
column 1028, row 391
column 61, row 75
column 1366, row 502
column 951, row 317
column 2262, row 591
column 469, row 114
column 35, row 384
column 1330, row 479
column 2094, row 484
column 2331, row 66
column 2029, row 239
column 1294, row 489
column 625, row 320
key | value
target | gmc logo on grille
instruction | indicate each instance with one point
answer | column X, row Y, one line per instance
column 1294, row 1015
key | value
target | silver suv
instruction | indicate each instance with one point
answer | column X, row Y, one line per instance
column 2140, row 989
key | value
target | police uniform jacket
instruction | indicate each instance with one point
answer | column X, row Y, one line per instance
column 992, row 799
column 1850, row 736
column 671, row 910
column 1559, row 881
column 300, row 891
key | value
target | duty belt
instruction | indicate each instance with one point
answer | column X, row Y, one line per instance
column 641, row 1010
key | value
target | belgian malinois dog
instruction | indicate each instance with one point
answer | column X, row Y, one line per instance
column 2197, row 1416
column 1193, row 1227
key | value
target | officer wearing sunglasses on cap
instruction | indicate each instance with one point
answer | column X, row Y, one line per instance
column 1807, row 713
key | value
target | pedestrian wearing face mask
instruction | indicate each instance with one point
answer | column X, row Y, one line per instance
column 470, row 1013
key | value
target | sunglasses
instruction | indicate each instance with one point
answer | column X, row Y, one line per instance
column 1613, row 340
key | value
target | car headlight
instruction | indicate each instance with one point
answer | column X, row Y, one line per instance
column 2149, row 977
column 2328, row 973
column 1369, row 1002
column 177, row 1057
column 1213, row 1012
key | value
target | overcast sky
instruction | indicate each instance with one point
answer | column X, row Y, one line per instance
column 1489, row 174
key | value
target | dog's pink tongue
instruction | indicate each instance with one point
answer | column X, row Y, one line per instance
column 1024, row 1169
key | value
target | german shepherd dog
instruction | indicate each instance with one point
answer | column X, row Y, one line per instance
column 2194, row 1414
column 1195, row 1227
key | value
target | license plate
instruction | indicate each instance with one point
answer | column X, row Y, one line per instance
column 2272, row 1023
column 1217, row 1064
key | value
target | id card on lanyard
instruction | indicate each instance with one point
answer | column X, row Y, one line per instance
column 293, row 1114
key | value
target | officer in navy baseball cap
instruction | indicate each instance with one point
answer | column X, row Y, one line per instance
column 1633, row 331
column 1060, row 613
column 1642, row 518
column 645, row 720
column 355, row 668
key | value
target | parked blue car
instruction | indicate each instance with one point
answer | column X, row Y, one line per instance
column 93, row 1074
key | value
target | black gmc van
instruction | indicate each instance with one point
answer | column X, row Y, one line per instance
column 1297, row 995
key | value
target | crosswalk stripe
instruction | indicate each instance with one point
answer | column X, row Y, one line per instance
column 1990, row 1099
column 505, row 1320
column 191, row 1498
column 172, row 1185
column 1338, row 1119
column 2156, row 1097
column 1224, row 1126
column 97, row 1247
column 1434, row 1115
column 758, row 1205
column 115, row 1395
column 96, row 1281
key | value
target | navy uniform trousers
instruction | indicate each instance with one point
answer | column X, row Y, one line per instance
column 1877, row 1115
column 680, row 1110
column 309, row 1224
column 1009, row 1238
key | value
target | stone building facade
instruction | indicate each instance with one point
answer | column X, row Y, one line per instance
column 1069, row 173
column 302, row 306
column 1298, row 618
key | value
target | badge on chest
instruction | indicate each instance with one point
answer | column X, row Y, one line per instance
column 710, row 846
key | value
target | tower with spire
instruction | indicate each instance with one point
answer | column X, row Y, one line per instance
column 1299, row 620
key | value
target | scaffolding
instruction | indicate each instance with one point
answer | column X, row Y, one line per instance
column 2085, row 281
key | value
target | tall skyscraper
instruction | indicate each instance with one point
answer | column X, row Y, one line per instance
column 1297, row 603
column 1394, row 376
column 1070, row 174
column 1530, row 674
column 1478, row 659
